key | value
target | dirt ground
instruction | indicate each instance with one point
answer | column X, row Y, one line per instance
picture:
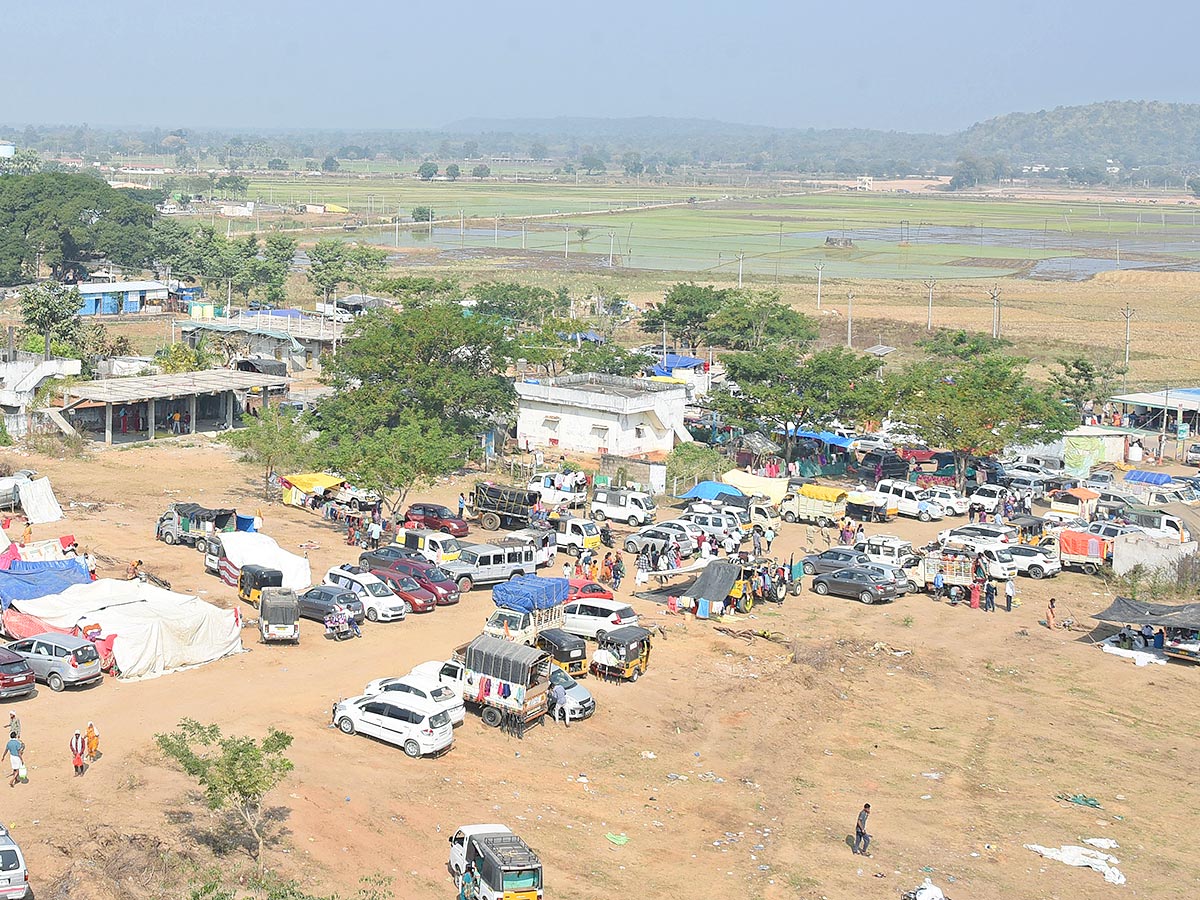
column 780, row 745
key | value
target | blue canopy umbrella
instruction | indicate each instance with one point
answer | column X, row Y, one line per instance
column 710, row 490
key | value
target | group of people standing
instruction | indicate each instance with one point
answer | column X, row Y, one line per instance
column 610, row 570
column 84, row 747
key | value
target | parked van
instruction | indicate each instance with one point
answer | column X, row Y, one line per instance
column 634, row 508
column 436, row 546
column 910, row 500
column 480, row 564
column 999, row 560
column 14, row 874
column 576, row 535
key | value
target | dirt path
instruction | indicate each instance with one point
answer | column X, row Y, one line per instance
column 1005, row 712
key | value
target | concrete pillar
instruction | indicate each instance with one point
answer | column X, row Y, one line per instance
column 108, row 423
column 150, row 417
column 192, row 413
column 229, row 411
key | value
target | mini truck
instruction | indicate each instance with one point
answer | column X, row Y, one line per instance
column 507, row 683
column 527, row 606
column 576, row 495
column 815, row 503
column 193, row 525
column 495, row 505
column 505, row 868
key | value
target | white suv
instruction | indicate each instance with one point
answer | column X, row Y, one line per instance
column 594, row 617
column 408, row 722
column 424, row 688
column 379, row 601
column 13, row 872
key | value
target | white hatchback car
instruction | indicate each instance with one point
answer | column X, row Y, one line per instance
column 413, row 724
column 425, row 688
column 379, row 601
column 951, row 500
column 593, row 617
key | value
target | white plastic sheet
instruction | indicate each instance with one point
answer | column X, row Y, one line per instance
column 1083, row 858
column 157, row 631
column 241, row 548
column 39, row 503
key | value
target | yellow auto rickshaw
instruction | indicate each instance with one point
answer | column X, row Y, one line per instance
column 252, row 579
column 622, row 654
column 567, row 651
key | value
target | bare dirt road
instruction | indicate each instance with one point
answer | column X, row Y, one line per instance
column 761, row 759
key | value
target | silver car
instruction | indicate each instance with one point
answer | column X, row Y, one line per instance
column 658, row 539
column 60, row 659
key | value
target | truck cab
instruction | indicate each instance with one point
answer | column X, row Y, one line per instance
column 560, row 488
column 436, row 546
column 634, row 508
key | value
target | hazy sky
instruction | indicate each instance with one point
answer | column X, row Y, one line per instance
column 924, row 66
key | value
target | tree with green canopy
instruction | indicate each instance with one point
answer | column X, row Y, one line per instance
column 684, row 311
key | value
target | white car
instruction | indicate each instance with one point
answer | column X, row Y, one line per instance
column 988, row 495
column 951, row 500
column 867, row 442
column 983, row 532
column 1112, row 529
column 684, row 529
column 425, row 688
column 1036, row 562
column 379, row 601
column 1028, row 470
column 594, row 617
column 415, row 725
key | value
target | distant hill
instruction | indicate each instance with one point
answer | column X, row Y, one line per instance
column 1133, row 132
column 590, row 128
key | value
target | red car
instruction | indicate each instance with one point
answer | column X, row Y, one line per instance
column 431, row 577
column 415, row 597
column 16, row 677
column 436, row 517
column 583, row 589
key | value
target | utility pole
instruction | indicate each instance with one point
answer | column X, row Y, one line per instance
column 612, row 238
column 1127, row 313
column 741, row 256
column 522, row 235
column 566, row 240
column 994, row 293
column 929, row 285
column 397, row 227
column 496, row 237
column 850, row 319
column 820, row 267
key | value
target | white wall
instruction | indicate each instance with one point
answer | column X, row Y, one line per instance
column 541, row 424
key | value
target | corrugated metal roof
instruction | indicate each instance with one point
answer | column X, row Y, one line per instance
column 105, row 287
column 165, row 387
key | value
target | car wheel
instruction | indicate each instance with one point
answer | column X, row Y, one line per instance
column 598, row 515
column 55, row 682
column 810, row 569
column 820, row 587
column 515, row 575
column 355, row 505
column 464, row 585
column 923, row 517
column 635, row 675
column 824, row 522
column 412, row 749
column 372, row 614
column 1090, row 568
column 490, row 521
column 634, row 522
column 789, row 517
column 1037, row 572
column 913, row 587
column 796, row 586
column 169, row 539
column 601, row 634
column 492, row 717
column 631, row 547
column 201, row 545
column 345, row 725
column 407, row 608
column 867, row 597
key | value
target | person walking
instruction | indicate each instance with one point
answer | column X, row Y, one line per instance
column 15, row 751
column 756, row 539
column 567, row 569
column 770, row 536
column 989, row 596
column 92, row 738
column 77, row 747
column 462, row 504
column 618, row 572
column 14, row 724
column 559, row 695
column 375, row 530
column 1010, row 591
column 862, row 840
column 643, row 567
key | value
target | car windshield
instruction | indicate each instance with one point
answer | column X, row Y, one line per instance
column 436, row 574
column 501, row 618
column 407, row 584
column 558, row 676
column 626, row 612
column 450, row 545
column 440, row 511
column 86, row 654
column 1004, row 556
column 470, row 557
column 522, row 879
column 9, row 861
column 589, row 529
column 13, row 668
column 441, row 694
column 437, row 720
column 377, row 589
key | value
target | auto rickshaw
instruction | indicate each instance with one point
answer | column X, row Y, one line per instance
column 622, row 654
column 252, row 579
column 1029, row 529
column 567, row 651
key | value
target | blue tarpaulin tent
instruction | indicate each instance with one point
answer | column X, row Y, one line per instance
column 673, row 361
column 530, row 592
column 710, row 490
column 30, row 580
column 245, row 523
column 1140, row 476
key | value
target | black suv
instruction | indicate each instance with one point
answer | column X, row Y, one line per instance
column 892, row 463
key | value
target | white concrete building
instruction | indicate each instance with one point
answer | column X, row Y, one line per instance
column 601, row 414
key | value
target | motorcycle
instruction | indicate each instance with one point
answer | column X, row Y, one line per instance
column 606, row 535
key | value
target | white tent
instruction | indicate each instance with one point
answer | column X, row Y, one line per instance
column 241, row 548
column 38, row 502
column 157, row 631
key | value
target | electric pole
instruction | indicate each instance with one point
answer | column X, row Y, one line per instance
column 850, row 319
column 820, row 267
column 1127, row 313
column 741, row 256
column 994, row 293
column 566, row 240
column 612, row 238
column 929, row 285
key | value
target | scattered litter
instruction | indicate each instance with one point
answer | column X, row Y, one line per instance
column 649, row 754
column 709, row 776
column 1103, row 843
column 1080, row 800
column 881, row 647
column 927, row 796
column 582, row 779
column 1084, row 858
column 936, row 776
column 671, row 776
column 619, row 839
column 927, row 890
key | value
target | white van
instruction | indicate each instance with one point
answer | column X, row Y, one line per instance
column 634, row 508
column 409, row 722
column 14, row 874
column 910, row 499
